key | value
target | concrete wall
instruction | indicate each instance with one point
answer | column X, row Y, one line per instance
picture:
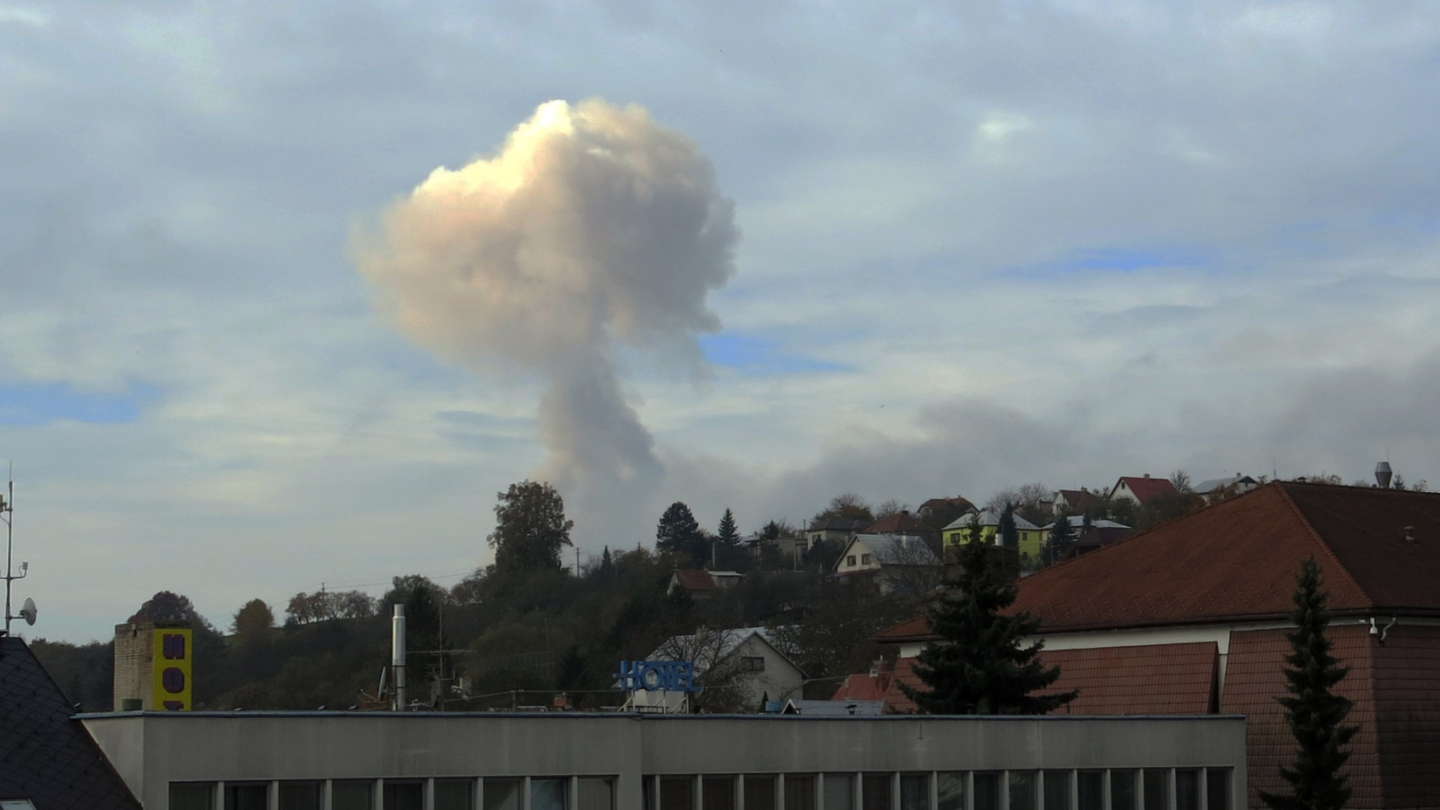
column 153, row 749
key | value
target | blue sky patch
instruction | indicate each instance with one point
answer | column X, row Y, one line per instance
column 1124, row 260
column 760, row 356
column 42, row 403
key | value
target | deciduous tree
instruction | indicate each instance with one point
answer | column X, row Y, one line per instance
column 252, row 620
column 530, row 528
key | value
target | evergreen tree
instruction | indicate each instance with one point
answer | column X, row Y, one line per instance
column 727, row 534
column 1059, row 543
column 1009, row 534
column 1312, row 711
column 978, row 665
column 607, row 565
column 678, row 532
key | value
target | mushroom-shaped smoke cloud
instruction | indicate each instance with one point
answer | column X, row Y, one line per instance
column 591, row 226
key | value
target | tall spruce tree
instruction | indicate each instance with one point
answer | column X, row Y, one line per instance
column 1009, row 533
column 978, row 665
column 1314, row 713
column 679, row 532
column 1060, row 541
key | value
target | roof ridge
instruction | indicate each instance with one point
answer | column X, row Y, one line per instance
column 1329, row 552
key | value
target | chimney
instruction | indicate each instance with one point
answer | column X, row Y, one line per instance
column 397, row 655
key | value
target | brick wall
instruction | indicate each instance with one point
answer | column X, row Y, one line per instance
column 134, row 646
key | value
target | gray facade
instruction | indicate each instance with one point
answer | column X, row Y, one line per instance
column 686, row 762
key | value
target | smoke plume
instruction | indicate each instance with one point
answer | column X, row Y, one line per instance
column 592, row 226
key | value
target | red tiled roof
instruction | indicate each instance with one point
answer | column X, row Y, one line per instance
column 896, row 524
column 863, row 687
column 1148, row 679
column 1078, row 498
column 1145, row 488
column 695, row 579
column 1237, row 560
column 1151, row 679
column 1255, row 674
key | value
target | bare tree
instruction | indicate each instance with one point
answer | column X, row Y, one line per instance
column 1181, row 481
column 890, row 507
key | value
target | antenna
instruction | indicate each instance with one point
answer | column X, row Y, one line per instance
column 7, row 514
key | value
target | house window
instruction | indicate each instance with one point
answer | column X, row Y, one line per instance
column 865, row 559
column 850, row 560
column 752, row 663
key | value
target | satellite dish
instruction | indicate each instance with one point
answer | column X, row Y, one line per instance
column 27, row 612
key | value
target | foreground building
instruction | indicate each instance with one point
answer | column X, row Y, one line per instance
column 421, row 761
column 1191, row 617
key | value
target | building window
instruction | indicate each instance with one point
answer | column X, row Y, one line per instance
column 1057, row 790
column 1217, row 789
column 596, row 794
column 759, row 793
column 950, row 787
column 987, row 791
column 717, row 793
column 1187, row 789
column 875, row 791
column 545, row 794
column 247, row 797
column 1091, row 791
column 1021, row 787
column 752, row 663
column 454, row 794
column 351, row 795
column 865, row 559
column 915, row 791
column 850, row 560
column 1123, row 793
column 799, row 792
column 1157, row 787
column 404, row 795
column 501, row 794
column 677, row 793
column 300, row 795
column 193, row 796
column 839, row 791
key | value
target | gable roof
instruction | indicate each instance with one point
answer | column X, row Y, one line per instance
column 1077, row 498
column 893, row 549
column 837, row 524
column 1237, row 561
column 1145, row 487
column 45, row 755
column 720, row 644
column 956, row 502
column 898, row 523
column 694, row 579
column 1210, row 485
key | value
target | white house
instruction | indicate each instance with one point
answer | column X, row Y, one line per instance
column 738, row 670
column 896, row 561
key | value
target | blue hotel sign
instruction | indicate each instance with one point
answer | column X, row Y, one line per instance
column 657, row 676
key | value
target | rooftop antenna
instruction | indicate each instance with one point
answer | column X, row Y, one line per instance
column 7, row 514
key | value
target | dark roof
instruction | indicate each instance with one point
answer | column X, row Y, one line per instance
column 45, row 755
column 1237, row 560
column 837, row 524
column 956, row 502
column 1146, row 488
column 898, row 523
column 695, row 579
column 1078, row 498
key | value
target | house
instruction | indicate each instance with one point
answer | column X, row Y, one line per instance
column 937, row 512
column 1215, row 488
column 897, row 562
column 1141, row 489
column 1191, row 617
column 833, row 530
column 1076, row 501
column 902, row 523
column 1101, row 533
column 738, row 670
column 48, row 760
column 1031, row 537
column 702, row 584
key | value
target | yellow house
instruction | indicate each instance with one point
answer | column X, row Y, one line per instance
column 1032, row 537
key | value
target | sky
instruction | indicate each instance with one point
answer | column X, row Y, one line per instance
column 925, row 249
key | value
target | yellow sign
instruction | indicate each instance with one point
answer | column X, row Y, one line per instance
column 171, row 670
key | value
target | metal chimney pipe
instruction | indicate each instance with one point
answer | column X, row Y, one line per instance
column 1382, row 474
column 397, row 656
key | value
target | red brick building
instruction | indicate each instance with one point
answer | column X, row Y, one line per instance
column 1191, row 617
